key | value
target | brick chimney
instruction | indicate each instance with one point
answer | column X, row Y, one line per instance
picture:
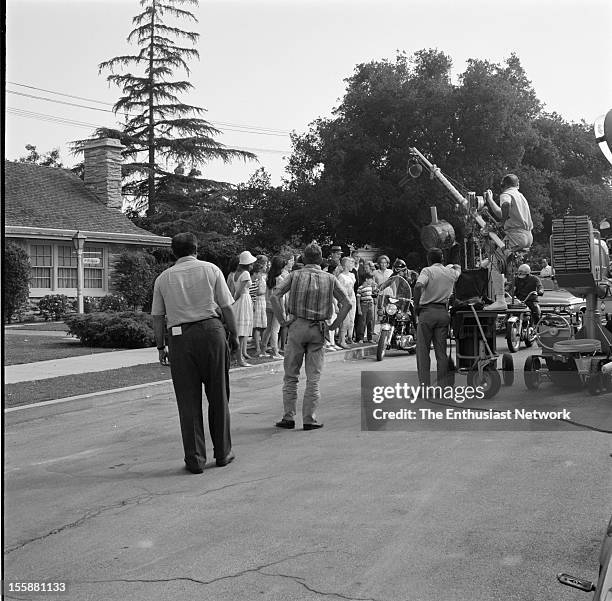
column 103, row 170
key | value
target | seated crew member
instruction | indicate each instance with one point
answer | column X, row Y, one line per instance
column 527, row 288
column 513, row 210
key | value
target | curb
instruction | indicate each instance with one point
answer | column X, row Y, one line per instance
column 271, row 367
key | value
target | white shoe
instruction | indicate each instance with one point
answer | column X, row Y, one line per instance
column 498, row 305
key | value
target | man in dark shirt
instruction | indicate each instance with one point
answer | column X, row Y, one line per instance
column 527, row 288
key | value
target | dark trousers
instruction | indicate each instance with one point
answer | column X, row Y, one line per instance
column 536, row 312
column 432, row 326
column 200, row 355
column 366, row 323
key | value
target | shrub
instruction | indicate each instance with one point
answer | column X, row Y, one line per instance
column 112, row 303
column 16, row 276
column 90, row 304
column 113, row 330
column 133, row 276
column 53, row 306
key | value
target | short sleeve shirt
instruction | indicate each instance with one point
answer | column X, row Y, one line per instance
column 190, row 290
column 519, row 217
column 438, row 281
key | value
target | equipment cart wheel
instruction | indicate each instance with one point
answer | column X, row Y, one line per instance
column 490, row 381
column 512, row 336
column 507, row 369
column 382, row 345
column 532, row 374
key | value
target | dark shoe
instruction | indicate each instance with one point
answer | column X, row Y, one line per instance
column 314, row 426
column 227, row 459
column 285, row 423
column 194, row 469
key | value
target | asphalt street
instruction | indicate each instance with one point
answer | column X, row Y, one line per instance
column 95, row 496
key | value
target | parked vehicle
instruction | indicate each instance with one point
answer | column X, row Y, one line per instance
column 396, row 315
column 559, row 300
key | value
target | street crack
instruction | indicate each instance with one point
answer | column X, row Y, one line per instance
column 137, row 500
column 255, row 570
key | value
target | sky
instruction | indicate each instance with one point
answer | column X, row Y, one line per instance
column 269, row 67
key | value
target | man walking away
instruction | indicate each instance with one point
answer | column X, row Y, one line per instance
column 191, row 296
column 433, row 288
column 312, row 292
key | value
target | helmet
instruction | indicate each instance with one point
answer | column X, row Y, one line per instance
column 523, row 270
column 399, row 265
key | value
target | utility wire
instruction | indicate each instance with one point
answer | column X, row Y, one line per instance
column 255, row 128
column 63, row 121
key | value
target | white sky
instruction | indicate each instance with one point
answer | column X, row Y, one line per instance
column 281, row 64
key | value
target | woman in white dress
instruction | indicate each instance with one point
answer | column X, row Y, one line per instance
column 347, row 281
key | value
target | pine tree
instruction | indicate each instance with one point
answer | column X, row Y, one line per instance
column 160, row 130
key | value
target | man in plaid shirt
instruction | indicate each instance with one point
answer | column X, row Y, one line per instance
column 312, row 293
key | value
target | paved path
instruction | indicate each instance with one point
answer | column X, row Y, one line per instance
column 75, row 365
column 98, row 362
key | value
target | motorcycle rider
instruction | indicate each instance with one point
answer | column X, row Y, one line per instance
column 527, row 288
column 399, row 268
column 391, row 286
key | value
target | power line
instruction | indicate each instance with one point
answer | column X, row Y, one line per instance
column 64, row 121
column 254, row 128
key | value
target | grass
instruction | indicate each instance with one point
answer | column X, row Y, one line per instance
column 36, row 391
column 20, row 349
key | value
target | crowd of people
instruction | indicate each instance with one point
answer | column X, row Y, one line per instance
column 253, row 279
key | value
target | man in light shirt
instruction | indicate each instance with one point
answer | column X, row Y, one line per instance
column 514, row 212
column 188, row 300
column 432, row 290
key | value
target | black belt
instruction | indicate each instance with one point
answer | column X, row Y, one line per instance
column 433, row 305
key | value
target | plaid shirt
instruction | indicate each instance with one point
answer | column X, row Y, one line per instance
column 312, row 293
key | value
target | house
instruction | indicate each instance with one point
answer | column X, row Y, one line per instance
column 45, row 207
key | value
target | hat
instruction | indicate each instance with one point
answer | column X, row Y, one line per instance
column 246, row 258
column 335, row 249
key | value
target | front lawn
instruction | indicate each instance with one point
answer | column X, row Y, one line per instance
column 21, row 348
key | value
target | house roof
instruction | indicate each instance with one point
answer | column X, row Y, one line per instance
column 37, row 199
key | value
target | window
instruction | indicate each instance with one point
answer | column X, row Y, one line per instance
column 66, row 267
column 41, row 261
column 93, row 260
column 54, row 268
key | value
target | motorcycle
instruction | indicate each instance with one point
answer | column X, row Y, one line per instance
column 519, row 327
column 396, row 316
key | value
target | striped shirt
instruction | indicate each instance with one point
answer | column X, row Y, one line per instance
column 312, row 293
column 364, row 292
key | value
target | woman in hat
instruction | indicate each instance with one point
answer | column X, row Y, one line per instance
column 239, row 285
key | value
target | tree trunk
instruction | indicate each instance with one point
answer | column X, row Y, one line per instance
column 151, row 132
